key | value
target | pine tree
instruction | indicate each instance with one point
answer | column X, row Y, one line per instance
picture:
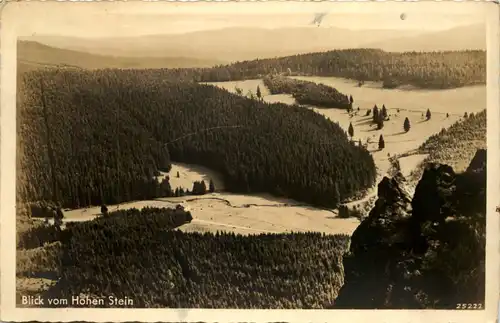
column 178, row 175
column 165, row 188
column 428, row 114
column 343, row 211
column 384, row 112
column 336, row 194
column 406, row 124
column 375, row 114
column 211, row 186
column 58, row 218
column 351, row 130
column 259, row 95
column 104, row 209
column 380, row 122
column 381, row 143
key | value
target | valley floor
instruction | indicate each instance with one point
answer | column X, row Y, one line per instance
column 411, row 103
column 253, row 214
column 244, row 214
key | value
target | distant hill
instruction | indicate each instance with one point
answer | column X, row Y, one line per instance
column 460, row 38
column 237, row 44
column 32, row 54
column 230, row 44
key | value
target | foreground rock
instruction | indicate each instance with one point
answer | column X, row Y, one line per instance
column 425, row 252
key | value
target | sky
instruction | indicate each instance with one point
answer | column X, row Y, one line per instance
column 135, row 18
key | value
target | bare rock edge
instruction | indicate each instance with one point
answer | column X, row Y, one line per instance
column 422, row 252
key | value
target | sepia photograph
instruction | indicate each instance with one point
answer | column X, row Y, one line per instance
column 249, row 156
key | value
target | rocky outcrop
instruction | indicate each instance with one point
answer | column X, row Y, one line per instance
column 420, row 252
column 478, row 163
column 393, row 204
column 433, row 194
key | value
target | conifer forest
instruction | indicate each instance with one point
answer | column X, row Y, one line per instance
column 347, row 178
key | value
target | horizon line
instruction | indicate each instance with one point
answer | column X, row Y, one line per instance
column 422, row 32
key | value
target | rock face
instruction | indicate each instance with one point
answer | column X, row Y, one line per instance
column 425, row 252
column 478, row 163
column 431, row 201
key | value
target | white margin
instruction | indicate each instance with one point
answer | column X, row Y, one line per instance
column 9, row 312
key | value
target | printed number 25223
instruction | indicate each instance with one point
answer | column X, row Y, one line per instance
column 469, row 306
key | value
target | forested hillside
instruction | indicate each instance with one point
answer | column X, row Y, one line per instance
column 95, row 153
column 101, row 136
column 166, row 268
column 436, row 70
column 305, row 92
column 456, row 145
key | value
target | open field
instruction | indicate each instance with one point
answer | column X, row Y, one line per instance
column 412, row 103
column 244, row 214
column 191, row 173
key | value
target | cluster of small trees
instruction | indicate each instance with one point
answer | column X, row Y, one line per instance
column 305, row 92
column 179, row 191
column 102, row 136
column 345, row 212
column 170, row 268
column 199, row 188
column 379, row 116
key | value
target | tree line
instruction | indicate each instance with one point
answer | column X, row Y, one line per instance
column 436, row 70
column 94, row 137
column 173, row 269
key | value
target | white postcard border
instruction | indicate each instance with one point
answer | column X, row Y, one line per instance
column 9, row 312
